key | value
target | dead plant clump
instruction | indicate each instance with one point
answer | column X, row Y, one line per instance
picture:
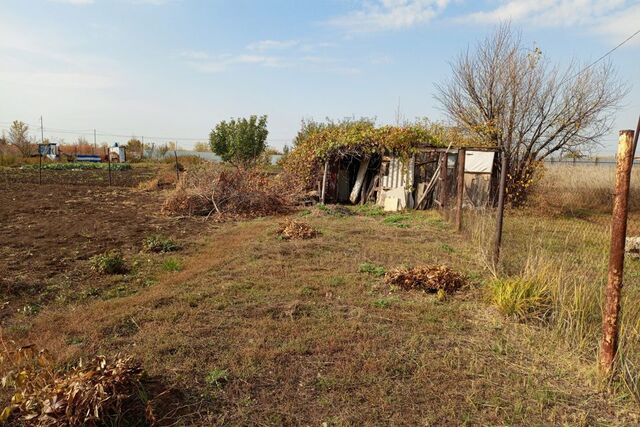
column 429, row 278
column 296, row 230
column 98, row 393
column 231, row 193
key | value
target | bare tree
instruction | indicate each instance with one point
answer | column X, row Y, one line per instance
column 512, row 97
column 19, row 136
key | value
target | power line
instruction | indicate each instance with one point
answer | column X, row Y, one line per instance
column 607, row 54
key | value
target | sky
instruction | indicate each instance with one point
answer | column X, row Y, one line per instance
column 172, row 69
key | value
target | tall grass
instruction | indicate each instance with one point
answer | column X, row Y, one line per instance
column 581, row 189
column 558, row 249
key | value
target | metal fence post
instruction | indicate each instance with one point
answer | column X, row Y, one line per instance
column 611, row 314
column 501, row 201
column 40, row 167
column 460, row 188
column 109, row 160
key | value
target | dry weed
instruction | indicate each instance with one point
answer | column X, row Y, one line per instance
column 426, row 278
column 94, row 394
column 236, row 193
column 292, row 229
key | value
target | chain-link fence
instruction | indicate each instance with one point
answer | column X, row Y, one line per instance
column 561, row 240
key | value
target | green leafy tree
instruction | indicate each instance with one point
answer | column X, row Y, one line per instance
column 240, row 141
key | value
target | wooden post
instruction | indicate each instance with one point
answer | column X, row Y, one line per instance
column 460, row 188
column 324, row 181
column 40, row 168
column 175, row 154
column 444, row 193
column 501, row 200
column 611, row 314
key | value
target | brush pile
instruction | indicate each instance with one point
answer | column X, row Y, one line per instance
column 426, row 278
column 296, row 230
column 88, row 395
column 231, row 193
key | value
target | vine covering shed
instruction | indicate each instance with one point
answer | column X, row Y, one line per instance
column 397, row 167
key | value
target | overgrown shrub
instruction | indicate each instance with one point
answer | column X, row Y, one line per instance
column 101, row 392
column 232, row 193
column 110, row 262
column 158, row 243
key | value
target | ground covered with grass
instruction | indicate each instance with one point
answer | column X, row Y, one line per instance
column 253, row 329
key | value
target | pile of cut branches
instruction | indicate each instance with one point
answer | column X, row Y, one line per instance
column 292, row 229
column 231, row 193
column 429, row 278
column 87, row 395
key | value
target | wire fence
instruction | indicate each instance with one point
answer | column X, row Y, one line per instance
column 561, row 241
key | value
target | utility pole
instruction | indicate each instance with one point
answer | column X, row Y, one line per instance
column 142, row 150
column 95, row 144
column 41, row 131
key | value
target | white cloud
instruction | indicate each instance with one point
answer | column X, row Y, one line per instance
column 556, row 13
column 73, row 2
column 390, row 15
column 264, row 45
column 206, row 63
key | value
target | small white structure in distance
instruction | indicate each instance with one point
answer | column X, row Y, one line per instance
column 117, row 153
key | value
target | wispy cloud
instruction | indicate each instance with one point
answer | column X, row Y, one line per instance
column 204, row 62
column 73, row 2
column 549, row 12
column 264, row 45
column 382, row 15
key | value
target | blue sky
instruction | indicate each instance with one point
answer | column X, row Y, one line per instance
column 174, row 68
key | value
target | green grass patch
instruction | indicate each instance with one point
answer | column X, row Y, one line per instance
column 216, row 378
column 80, row 165
column 397, row 220
column 159, row 244
column 172, row 265
column 373, row 269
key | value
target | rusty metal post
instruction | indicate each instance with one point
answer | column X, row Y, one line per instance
column 611, row 314
column 460, row 190
column 324, row 181
column 500, row 216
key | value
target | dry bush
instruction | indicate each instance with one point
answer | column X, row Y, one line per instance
column 165, row 178
column 292, row 229
column 99, row 393
column 428, row 278
column 231, row 193
column 568, row 189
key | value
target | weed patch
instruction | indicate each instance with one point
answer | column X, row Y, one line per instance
column 172, row 265
column 159, row 244
column 111, row 262
column 397, row 220
column 373, row 269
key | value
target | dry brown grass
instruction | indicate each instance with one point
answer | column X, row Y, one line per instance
column 304, row 338
column 581, row 189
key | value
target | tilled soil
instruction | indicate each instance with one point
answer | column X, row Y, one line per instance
column 48, row 233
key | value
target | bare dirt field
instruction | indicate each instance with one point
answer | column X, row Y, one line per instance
column 50, row 232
